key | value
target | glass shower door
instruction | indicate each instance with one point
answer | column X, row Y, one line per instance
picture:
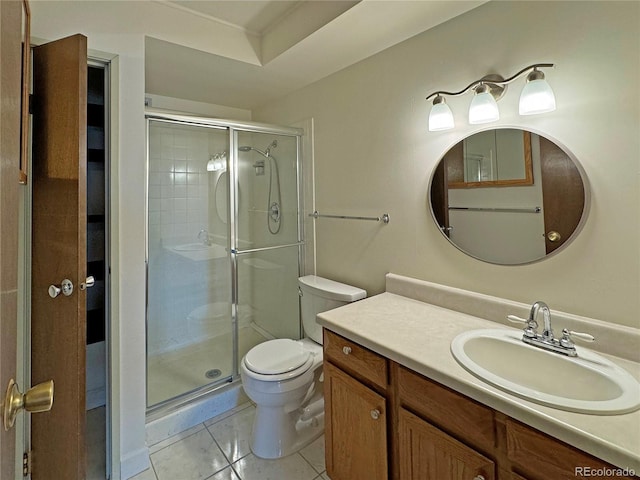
column 189, row 329
column 267, row 238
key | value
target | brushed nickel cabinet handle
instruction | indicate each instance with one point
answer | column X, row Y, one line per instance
column 346, row 350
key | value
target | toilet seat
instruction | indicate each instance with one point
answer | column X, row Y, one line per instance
column 278, row 359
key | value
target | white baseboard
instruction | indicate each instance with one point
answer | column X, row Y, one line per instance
column 96, row 398
column 96, row 375
column 134, row 463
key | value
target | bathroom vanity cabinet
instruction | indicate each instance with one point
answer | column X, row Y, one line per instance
column 386, row 421
column 355, row 391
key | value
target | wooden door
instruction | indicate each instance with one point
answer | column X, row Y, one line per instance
column 356, row 428
column 426, row 453
column 440, row 197
column 58, row 325
column 562, row 192
column 10, row 55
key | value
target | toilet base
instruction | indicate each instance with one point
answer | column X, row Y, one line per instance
column 277, row 433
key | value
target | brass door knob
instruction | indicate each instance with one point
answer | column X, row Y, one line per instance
column 554, row 236
column 36, row 399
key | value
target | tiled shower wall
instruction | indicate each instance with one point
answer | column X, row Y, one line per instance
column 179, row 183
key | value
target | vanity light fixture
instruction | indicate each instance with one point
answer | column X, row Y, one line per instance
column 441, row 117
column 536, row 97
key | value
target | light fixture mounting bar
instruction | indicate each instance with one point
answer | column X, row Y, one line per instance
column 475, row 83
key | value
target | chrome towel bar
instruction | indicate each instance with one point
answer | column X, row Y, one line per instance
column 384, row 218
column 507, row 210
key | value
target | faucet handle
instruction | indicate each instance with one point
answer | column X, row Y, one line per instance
column 569, row 334
column 516, row 319
column 531, row 325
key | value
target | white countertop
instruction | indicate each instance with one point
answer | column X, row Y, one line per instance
column 418, row 335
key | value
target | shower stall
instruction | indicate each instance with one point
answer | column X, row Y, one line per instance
column 224, row 249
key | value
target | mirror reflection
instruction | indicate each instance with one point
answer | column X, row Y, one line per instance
column 491, row 158
column 507, row 196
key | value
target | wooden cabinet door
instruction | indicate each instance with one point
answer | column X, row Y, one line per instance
column 355, row 430
column 427, row 453
column 542, row 457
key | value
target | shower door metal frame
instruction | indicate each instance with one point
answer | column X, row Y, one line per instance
column 232, row 127
column 170, row 404
column 234, row 212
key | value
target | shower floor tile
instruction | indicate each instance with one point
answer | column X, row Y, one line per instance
column 180, row 371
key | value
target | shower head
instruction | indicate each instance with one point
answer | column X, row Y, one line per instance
column 266, row 153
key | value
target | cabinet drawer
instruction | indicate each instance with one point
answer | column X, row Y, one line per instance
column 456, row 414
column 359, row 361
column 543, row 457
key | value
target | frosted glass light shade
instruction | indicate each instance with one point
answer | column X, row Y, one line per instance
column 483, row 108
column 216, row 165
column 440, row 117
column 537, row 97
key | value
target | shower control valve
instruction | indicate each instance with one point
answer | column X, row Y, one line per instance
column 274, row 211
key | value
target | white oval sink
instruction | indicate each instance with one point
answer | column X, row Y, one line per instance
column 588, row 383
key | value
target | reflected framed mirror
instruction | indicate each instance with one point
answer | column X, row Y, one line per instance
column 508, row 196
column 26, row 84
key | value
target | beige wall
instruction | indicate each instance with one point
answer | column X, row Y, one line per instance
column 373, row 153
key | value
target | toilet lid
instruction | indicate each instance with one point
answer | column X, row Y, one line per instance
column 276, row 356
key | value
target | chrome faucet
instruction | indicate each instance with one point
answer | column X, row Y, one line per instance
column 547, row 333
column 546, row 340
column 204, row 236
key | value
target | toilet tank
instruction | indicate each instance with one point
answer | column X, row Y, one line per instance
column 318, row 295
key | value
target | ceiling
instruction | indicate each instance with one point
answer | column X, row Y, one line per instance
column 262, row 50
column 253, row 15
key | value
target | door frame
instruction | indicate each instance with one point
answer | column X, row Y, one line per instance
column 96, row 61
column 112, row 281
column 110, row 63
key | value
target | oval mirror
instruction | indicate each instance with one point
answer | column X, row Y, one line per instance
column 508, row 196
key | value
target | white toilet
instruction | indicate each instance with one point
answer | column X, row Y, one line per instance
column 283, row 377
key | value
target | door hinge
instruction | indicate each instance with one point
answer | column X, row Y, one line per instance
column 31, row 100
column 26, row 463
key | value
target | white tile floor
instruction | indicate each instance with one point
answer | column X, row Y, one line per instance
column 218, row 449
